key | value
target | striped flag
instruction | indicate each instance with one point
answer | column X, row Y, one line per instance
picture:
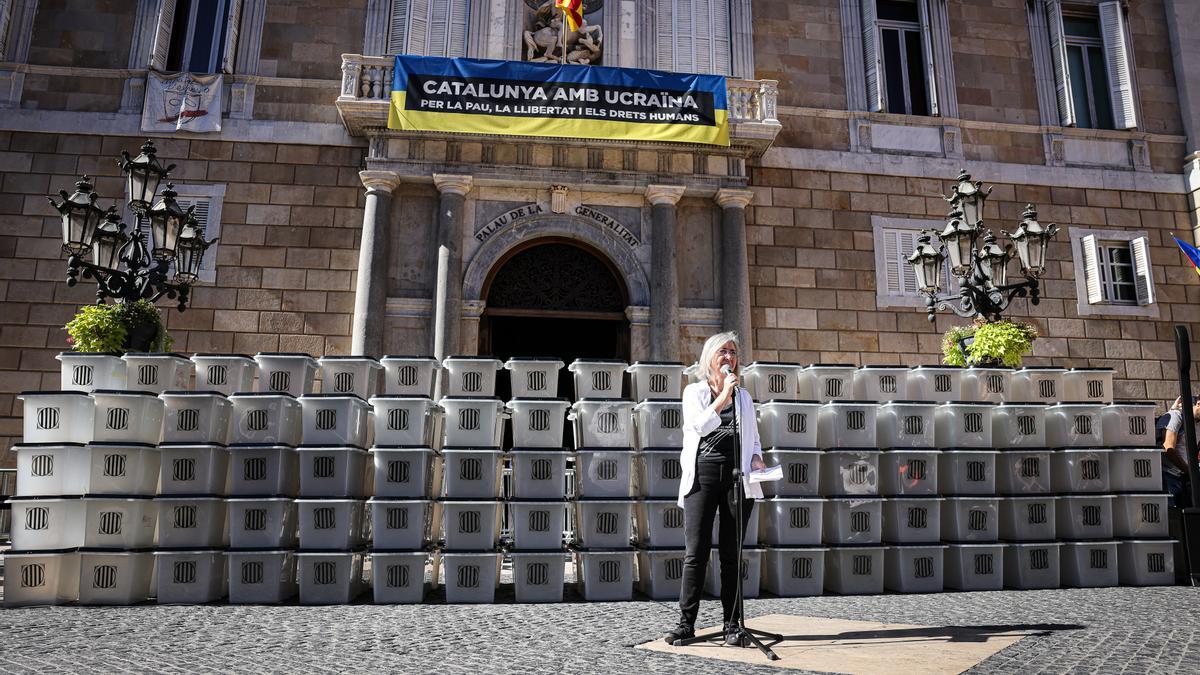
column 573, row 10
column 1192, row 253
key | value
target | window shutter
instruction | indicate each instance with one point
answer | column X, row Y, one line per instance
column 871, row 56
column 231, row 35
column 439, row 22
column 1058, row 55
column 1143, row 275
column 664, row 34
column 1120, row 75
column 162, row 36
column 721, row 38
column 456, row 41
column 5, row 19
column 686, row 27
column 1091, row 269
column 397, row 27
column 891, row 248
column 702, row 35
column 931, row 78
column 418, row 27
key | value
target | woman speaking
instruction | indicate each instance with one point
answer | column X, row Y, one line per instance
column 717, row 414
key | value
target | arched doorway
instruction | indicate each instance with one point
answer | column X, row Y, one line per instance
column 554, row 297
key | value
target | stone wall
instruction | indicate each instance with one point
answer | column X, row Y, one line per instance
column 287, row 256
column 812, row 275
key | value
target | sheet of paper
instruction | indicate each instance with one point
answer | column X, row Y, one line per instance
column 770, row 473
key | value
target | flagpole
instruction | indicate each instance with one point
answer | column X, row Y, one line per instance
column 565, row 25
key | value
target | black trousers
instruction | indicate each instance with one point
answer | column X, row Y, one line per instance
column 712, row 493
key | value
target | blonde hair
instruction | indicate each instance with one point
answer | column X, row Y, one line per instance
column 711, row 345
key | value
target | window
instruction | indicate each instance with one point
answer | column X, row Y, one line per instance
column 197, row 36
column 1113, row 273
column 1089, row 76
column 428, row 27
column 895, row 281
column 1092, row 64
column 898, row 58
column 903, row 58
column 692, row 36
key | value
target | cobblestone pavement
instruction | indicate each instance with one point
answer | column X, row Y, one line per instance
column 1112, row 630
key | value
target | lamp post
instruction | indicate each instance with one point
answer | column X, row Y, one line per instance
column 981, row 268
column 126, row 266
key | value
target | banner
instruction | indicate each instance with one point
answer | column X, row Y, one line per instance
column 541, row 99
column 182, row 102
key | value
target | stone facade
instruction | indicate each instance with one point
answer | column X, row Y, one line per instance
column 304, row 177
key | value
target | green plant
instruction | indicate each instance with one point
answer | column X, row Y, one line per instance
column 118, row 328
column 1005, row 342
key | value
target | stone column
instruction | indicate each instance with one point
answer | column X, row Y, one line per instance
column 664, row 272
column 447, row 295
column 370, row 295
column 735, row 270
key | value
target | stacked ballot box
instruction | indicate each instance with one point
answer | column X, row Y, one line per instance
column 281, row 476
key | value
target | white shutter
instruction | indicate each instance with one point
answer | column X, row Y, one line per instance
column 872, row 58
column 397, row 27
column 931, row 78
column 664, row 34
column 162, row 36
column 891, row 249
column 1143, row 275
column 231, row 35
column 418, row 27
column 456, row 40
column 1058, row 56
column 721, row 38
column 1091, row 269
column 702, row 35
column 5, row 19
column 439, row 21
column 686, row 28
column 1120, row 75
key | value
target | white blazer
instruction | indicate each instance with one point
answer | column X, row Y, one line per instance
column 699, row 421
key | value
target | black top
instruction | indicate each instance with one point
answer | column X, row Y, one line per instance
column 720, row 445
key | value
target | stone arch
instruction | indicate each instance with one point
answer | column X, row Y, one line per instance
column 565, row 226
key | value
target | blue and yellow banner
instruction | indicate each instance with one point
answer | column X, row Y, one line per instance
column 541, row 99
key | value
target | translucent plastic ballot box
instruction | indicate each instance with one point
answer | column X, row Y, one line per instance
column 350, row 375
column 598, row 378
column 471, row 375
column 914, row 568
column 533, row 377
column 156, row 372
column 286, row 372
column 655, row 379
column 224, row 373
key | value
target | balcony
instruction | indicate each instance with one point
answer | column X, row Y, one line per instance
column 367, row 88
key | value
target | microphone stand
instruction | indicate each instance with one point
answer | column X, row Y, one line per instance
column 751, row 635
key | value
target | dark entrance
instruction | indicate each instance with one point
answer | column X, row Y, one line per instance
column 555, row 297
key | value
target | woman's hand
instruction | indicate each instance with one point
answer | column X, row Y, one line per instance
column 726, row 395
column 757, row 464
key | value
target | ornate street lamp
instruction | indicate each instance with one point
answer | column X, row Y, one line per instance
column 926, row 261
column 124, row 267
column 110, row 237
column 982, row 270
column 166, row 222
column 1032, row 239
column 80, row 217
column 143, row 175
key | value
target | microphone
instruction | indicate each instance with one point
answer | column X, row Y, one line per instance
column 727, row 370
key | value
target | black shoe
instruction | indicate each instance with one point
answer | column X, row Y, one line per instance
column 733, row 635
column 679, row 633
